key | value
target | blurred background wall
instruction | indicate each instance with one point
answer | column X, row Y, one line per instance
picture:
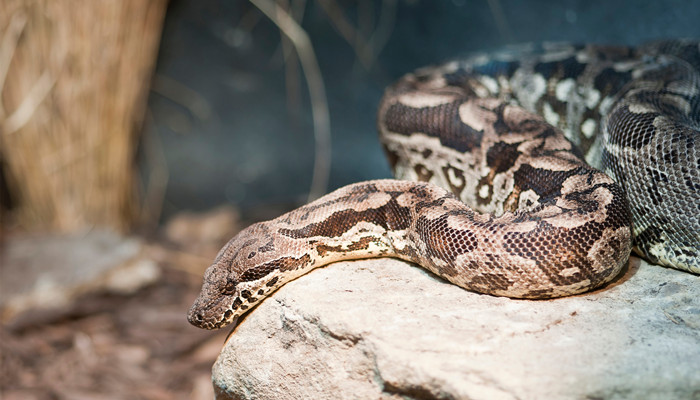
column 241, row 132
column 228, row 118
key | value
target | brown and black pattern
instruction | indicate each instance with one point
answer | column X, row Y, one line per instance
column 507, row 205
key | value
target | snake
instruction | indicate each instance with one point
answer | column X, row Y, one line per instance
column 532, row 173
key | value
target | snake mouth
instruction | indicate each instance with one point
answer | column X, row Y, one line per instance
column 207, row 315
column 197, row 319
column 215, row 312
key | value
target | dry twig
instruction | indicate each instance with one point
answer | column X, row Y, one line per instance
column 367, row 46
column 7, row 49
column 500, row 18
column 317, row 92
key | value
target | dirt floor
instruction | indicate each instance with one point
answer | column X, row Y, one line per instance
column 107, row 346
column 113, row 347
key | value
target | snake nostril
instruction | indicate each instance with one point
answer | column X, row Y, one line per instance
column 198, row 317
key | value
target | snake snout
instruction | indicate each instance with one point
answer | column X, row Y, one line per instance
column 196, row 317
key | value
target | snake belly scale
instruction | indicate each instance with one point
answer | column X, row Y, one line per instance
column 495, row 191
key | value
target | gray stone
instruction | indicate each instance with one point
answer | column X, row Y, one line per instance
column 386, row 329
column 45, row 272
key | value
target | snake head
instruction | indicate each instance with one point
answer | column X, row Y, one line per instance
column 213, row 308
column 239, row 277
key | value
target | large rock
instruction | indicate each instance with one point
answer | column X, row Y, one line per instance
column 386, row 329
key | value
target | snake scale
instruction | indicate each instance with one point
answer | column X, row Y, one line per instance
column 495, row 190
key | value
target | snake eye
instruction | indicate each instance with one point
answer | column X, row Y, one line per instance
column 230, row 287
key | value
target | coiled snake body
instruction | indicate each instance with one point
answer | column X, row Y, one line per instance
column 493, row 196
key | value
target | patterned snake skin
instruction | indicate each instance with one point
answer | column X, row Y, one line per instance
column 493, row 197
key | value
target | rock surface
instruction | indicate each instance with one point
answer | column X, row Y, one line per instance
column 48, row 272
column 386, row 329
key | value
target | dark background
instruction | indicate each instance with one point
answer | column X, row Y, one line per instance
column 234, row 133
